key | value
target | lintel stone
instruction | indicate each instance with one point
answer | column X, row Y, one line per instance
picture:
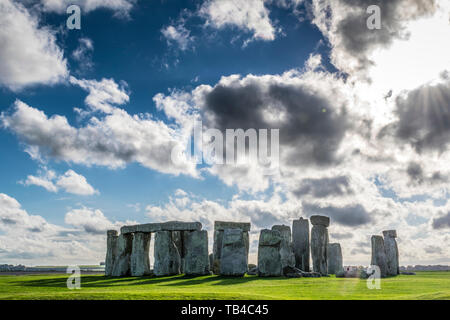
column 165, row 226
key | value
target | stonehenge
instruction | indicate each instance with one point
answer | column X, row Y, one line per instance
column 219, row 231
column 390, row 246
column 319, row 243
column 385, row 253
column 300, row 242
column 334, row 256
column 182, row 248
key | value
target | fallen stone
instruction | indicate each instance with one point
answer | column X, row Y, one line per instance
column 334, row 256
column 320, row 221
column 233, row 259
column 300, row 242
column 252, row 271
column 379, row 255
column 111, row 250
column 122, row 263
column 167, row 257
column 196, row 259
column 140, row 259
column 269, row 258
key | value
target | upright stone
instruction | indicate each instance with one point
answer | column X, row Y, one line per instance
column 111, row 251
column 269, row 258
column 300, row 241
column 379, row 255
column 233, row 258
column 319, row 243
column 196, row 259
column 335, row 263
column 286, row 251
column 140, row 259
column 391, row 248
column 167, row 257
column 219, row 227
column 177, row 238
column 122, row 261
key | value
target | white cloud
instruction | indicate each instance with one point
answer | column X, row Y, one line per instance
column 248, row 15
column 29, row 54
column 71, row 182
column 91, row 221
column 83, row 54
column 178, row 35
column 120, row 7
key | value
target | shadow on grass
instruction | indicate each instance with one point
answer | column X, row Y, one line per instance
column 180, row 280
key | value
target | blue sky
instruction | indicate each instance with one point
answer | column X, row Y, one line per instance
column 85, row 135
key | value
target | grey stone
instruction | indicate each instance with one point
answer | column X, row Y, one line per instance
column 111, row 250
column 196, row 259
column 253, row 271
column 211, row 261
column 177, row 238
column 269, row 257
column 219, row 227
column 320, row 221
column 140, row 259
column 164, row 226
column 233, row 258
column 122, row 261
column 390, row 245
column 222, row 225
column 286, row 250
column 319, row 246
column 334, row 256
column 300, row 242
column 167, row 257
column 379, row 255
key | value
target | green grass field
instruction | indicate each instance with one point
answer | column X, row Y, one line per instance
column 424, row 285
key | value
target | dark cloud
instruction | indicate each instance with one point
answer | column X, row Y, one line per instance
column 417, row 175
column 423, row 118
column 433, row 249
column 352, row 215
column 325, row 187
column 310, row 123
column 442, row 222
column 8, row 221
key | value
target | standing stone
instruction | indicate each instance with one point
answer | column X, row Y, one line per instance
column 233, row 258
column 177, row 238
column 335, row 264
column 167, row 257
column 140, row 259
column 111, row 251
column 319, row 243
column 211, row 261
column 286, row 251
column 300, row 241
column 196, row 259
column 379, row 255
column 390, row 245
column 269, row 257
column 219, row 227
column 122, row 262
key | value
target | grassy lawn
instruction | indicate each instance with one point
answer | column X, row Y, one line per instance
column 424, row 285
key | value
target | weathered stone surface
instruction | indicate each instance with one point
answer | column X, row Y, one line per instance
column 320, row 221
column 319, row 246
column 196, row 259
column 211, row 261
column 140, row 259
column 167, row 257
column 122, row 261
column 177, row 238
column 391, row 248
column 219, row 227
column 334, row 255
column 233, row 258
column 111, row 250
column 222, row 225
column 269, row 257
column 164, row 226
column 379, row 255
column 300, row 242
column 252, row 270
column 286, row 251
